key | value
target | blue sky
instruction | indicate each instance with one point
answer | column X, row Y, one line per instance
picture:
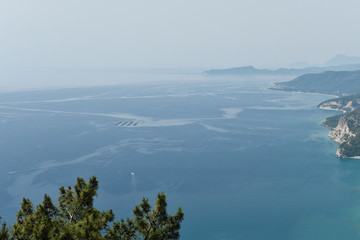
column 164, row 34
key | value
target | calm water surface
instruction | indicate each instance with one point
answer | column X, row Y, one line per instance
column 243, row 162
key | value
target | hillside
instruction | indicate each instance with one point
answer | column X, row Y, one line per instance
column 347, row 133
column 331, row 82
column 344, row 104
column 345, row 128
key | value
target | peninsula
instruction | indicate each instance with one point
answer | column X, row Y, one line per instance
column 345, row 127
column 330, row 82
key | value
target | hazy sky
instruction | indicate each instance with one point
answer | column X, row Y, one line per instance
column 176, row 33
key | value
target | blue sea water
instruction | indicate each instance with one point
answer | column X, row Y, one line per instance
column 244, row 162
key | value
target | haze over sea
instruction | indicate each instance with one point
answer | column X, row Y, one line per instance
column 243, row 162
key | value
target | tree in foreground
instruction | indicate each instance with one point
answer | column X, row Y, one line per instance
column 76, row 218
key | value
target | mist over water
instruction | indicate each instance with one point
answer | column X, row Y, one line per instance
column 242, row 161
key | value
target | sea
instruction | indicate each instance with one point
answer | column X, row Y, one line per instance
column 243, row 162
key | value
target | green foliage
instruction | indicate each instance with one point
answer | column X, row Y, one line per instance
column 332, row 122
column 351, row 148
column 157, row 224
column 76, row 219
column 4, row 231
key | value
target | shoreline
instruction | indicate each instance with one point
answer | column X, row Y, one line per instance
column 317, row 93
column 322, row 123
column 330, row 109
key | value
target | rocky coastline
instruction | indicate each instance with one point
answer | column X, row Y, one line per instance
column 346, row 131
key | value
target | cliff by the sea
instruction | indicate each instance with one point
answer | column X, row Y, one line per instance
column 345, row 129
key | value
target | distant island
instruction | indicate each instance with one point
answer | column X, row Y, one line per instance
column 338, row 63
column 345, row 127
column 251, row 70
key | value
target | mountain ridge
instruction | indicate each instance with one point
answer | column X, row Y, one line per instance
column 251, row 70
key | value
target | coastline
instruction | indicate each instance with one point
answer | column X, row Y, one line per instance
column 317, row 93
column 323, row 122
column 331, row 109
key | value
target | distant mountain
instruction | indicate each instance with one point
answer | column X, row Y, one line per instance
column 247, row 70
column 338, row 83
column 250, row 70
column 340, row 59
